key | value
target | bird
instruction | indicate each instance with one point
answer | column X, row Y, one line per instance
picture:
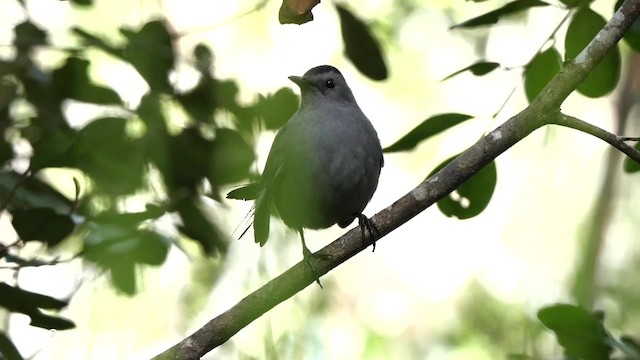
column 324, row 164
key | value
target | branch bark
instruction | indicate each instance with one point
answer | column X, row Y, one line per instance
column 545, row 109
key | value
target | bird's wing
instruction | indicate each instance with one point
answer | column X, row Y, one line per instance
column 272, row 171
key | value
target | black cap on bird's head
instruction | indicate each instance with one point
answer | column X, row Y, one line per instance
column 325, row 81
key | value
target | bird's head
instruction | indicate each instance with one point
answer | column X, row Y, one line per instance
column 323, row 83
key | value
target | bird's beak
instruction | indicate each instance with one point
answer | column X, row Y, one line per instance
column 300, row 81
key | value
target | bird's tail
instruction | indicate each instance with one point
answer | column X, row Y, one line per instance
column 262, row 216
column 246, row 192
column 261, row 211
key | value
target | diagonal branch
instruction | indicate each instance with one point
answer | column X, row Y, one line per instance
column 542, row 111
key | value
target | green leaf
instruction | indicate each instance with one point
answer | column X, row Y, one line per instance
column 632, row 36
column 82, row 2
column 576, row 3
column 629, row 165
column 428, row 128
column 31, row 192
column 200, row 102
column 29, row 303
column 231, row 158
column 540, row 70
column 118, row 247
column 579, row 332
column 478, row 69
column 199, row 227
column 72, row 81
column 110, row 157
column 8, row 349
column 275, row 110
column 492, row 17
column 583, row 27
column 53, row 150
column 6, row 152
column 361, row 47
column 473, row 196
column 28, row 35
column 190, row 159
column 42, row 224
column 95, row 41
column 150, row 51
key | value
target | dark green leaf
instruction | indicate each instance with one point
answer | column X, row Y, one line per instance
column 29, row 303
column 132, row 218
column 580, row 333
column 123, row 277
column 118, row 247
column 428, row 128
column 53, row 150
column 95, row 41
column 361, row 47
column 12, row 298
column 540, row 70
column 110, row 157
column 6, row 152
column 150, row 51
column 82, row 2
column 278, row 108
column 629, row 165
column 42, row 224
column 583, row 27
column 231, row 158
column 200, row 102
column 492, row 17
column 190, row 155
column 478, row 69
column 632, row 36
column 473, row 196
column 199, row 227
column 110, row 244
column 45, row 321
column 576, row 3
column 7, row 349
column 72, row 81
column 28, row 35
column 31, row 192
column 204, row 58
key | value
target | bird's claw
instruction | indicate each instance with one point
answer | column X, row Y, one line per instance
column 308, row 255
column 368, row 225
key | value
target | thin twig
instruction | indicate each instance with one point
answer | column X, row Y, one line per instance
column 610, row 138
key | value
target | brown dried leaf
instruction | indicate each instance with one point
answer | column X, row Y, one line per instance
column 296, row 11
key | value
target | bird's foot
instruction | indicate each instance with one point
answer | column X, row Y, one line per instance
column 368, row 225
column 308, row 257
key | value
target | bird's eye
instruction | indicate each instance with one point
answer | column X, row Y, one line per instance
column 330, row 84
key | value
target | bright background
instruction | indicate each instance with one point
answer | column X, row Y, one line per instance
column 436, row 288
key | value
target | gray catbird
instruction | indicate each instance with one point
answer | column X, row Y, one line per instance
column 324, row 164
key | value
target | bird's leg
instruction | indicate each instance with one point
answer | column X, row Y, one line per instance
column 368, row 225
column 306, row 253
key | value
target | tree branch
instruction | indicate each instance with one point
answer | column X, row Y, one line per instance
column 542, row 111
column 614, row 140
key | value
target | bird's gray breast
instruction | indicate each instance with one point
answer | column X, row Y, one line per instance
column 331, row 170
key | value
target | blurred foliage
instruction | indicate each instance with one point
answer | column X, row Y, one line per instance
column 137, row 150
column 119, row 156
